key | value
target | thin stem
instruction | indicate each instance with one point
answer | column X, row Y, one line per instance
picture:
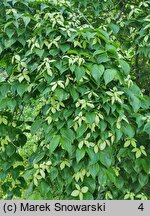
column 137, row 61
column 122, row 10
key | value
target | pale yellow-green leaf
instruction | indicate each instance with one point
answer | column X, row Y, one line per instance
column 135, row 150
column 90, row 105
column 35, row 181
column 142, row 147
column 81, row 195
column 112, row 139
column 118, row 124
column 54, row 87
column 67, row 163
column 27, row 77
column 21, row 78
column 108, row 195
column 127, row 143
column 17, row 57
column 144, row 152
column 96, row 149
column 78, row 187
column 84, row 189
column 34, row 148
column 5, row 121
column 62, row 165
column 133, row 143
column 77, row 176
column 42, row 173
column 75, row 193
column 97, row 119
column 126, row 196
column 109, row 93
column 48, row 163
column 36, row 166
column 83, row 172
column 80, row 145
column 138, row 154
column 103, row 146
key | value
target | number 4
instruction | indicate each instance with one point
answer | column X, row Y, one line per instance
column 141, row 207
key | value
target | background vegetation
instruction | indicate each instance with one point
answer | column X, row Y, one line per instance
column 74, row 99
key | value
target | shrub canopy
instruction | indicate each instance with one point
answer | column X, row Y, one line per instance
column 71, row 117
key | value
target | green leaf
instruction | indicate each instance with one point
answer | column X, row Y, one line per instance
column 119, row 134
column 146, row 165
column 143, row 179
column 147, row 128
column 74, row 94
column 9, row 43
column 102, row 177
column 10, row 150
column 6, row 165
column 103, row 125
column 39, row 52
column 36, row 126
column 102, row 58
column 22, row 41
column 16, row 171
column 22, row 139
column 44, row 187
column 128, row 130
column 81, row 130
column 54, row 52
column 90, row 116
column 90, row 183
column 38, row 157
column 111, row 175
column 112, row 50
column 26, row 20
column 75, row 193
column 105, row 158
column 139, row 120
column 60, row 94
column 11, row 103
column 79, row 72
column 119, row 182
column 138, row 153
column 88, row 196
column 53, row 173
column 115, row 28
column 109, row 75
column 94, row 169
column 59, row 65
column 125, row 66
column 84, row 189
column 135, row 102
column 127, row 143
column 64, row 47
column 10, row 32
column 103, row 35
column 54, row 143
column 80, row 153
column 68, row 134
column 66, row 144
column 4, row 88
column 97, row 71
column 21, row 88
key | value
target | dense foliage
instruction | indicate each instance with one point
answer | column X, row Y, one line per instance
column 73, row 122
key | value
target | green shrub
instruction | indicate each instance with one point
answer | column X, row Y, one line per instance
column 87, row 117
